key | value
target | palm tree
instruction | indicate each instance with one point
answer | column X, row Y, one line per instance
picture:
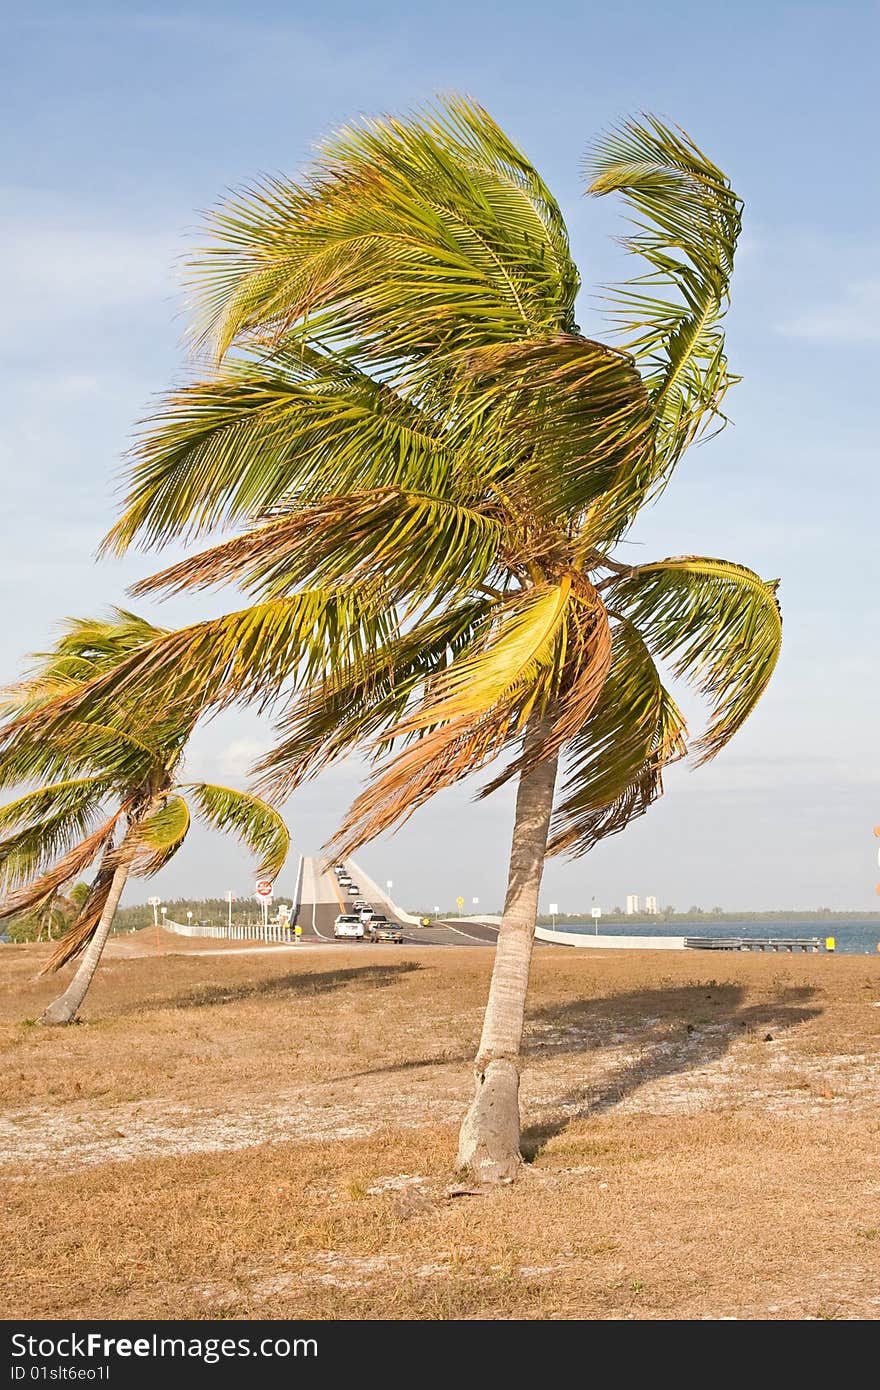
column 108, row 796
column 430, row 469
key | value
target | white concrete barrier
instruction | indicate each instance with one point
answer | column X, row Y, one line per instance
column 592, row 942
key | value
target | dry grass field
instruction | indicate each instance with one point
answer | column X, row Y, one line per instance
column 269, row 1134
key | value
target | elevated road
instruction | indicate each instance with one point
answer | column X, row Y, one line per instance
column 322, row 900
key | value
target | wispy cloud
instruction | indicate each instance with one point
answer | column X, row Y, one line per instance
column 238, row 757
column 81, row 264
column 852, row 319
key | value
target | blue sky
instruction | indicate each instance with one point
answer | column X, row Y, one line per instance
column 123, row 121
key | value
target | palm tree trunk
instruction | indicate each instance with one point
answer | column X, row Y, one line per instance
column 66, row 1007
column 489, row 1142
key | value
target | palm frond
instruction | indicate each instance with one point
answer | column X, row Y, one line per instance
column 687, row 221
column 357, row 706
column 247, row 655
column 85, row 924
column 525, row 649
column 414, row 544
column 71, row 865
column 615, row 764
column 579, row 428
column 474, row 708
column 408, row 235
column 263, row 434
column 581, row 684
column 254, row 821
column 720, row 625
column 46, row 824
column 160, row 835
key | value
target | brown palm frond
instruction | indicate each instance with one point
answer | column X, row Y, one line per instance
column 72, row 865
column 436, row 761
column 83, row 928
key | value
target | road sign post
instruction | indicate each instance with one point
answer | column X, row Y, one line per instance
column 554, row 908
column 597, row 913
column 460, row 902
column 154, row 903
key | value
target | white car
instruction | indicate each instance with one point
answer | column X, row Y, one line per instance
column 347, row 924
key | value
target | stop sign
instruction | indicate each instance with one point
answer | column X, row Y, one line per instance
column 264, row 888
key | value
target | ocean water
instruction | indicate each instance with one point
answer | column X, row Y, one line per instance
column 852, row 936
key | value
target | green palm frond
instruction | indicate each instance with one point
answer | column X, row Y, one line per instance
column 259, row 436
column 578, row 429
column 355, row 707
column 615, row 765
column 160, row 835
column 57, row 800
column 254, row 821
column 717, row 622
column 45, row 825
column 440, row 211
column 251, row 654
column 687, row 221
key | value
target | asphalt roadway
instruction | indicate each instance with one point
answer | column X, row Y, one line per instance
column 322, row 900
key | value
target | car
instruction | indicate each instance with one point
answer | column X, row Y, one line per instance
column 353, row 890
column 364, row 910
column 348, row 925
column 380, row 929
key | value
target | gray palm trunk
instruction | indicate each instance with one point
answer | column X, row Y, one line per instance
column 66, row 1007
column 489, row 1142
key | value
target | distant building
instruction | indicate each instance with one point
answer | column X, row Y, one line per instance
column 651, row 907
column 633, row 904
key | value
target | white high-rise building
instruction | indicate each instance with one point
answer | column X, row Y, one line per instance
column 633, row 904
column 651, row 907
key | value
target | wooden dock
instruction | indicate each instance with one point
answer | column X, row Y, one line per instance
column 753, row 943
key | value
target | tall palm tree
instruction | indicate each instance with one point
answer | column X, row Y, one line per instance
column 430, row 468
column 108, row 796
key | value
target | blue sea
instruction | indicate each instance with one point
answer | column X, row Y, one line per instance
column 852, row 936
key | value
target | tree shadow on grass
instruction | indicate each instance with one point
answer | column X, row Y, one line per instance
column 303, row 986
column 674, row 1030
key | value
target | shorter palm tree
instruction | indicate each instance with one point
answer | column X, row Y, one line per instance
column 110, row 795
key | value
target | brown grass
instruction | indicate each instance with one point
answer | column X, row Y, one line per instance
column 270, row 1135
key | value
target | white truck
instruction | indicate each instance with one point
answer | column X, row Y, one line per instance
column 347, row 924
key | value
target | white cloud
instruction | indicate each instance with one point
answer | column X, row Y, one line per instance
column 85, row 266
column 237, row 758
column 853, row 319
column 73, row 261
